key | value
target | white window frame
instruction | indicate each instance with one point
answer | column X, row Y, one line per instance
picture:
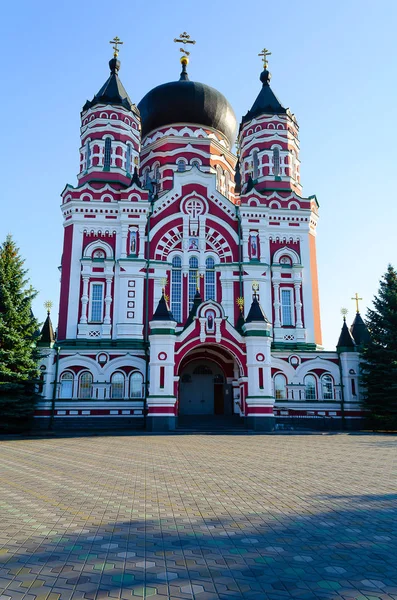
column 92, row 283
column 275, row 379
column 292, row 306
column 179, row 269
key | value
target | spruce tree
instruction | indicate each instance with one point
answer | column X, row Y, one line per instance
column 18, row 331
column 379, row 356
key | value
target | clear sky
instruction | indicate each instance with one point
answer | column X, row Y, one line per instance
column 333, row 64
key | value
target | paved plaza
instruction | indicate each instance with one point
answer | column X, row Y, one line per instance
column 199, row 516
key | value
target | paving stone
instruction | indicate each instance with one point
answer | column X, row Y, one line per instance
column 248, row 516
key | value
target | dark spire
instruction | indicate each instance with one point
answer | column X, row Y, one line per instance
column 346, row 341
column 193, row 311
column 256, row 312
column 360, row 331
column 47, row 335
column 112, row 91
column 266, row 102
column 237, row 178
column 240, row 323
column 135, row 178
column 250, row 185
column 162, row 312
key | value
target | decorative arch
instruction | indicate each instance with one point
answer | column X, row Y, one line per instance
column 98, row 245
column 285, row 251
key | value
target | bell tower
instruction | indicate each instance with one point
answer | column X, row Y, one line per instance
column 268, row 141
column 110, row 131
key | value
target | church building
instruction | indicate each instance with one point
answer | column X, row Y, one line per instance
column 189, row 278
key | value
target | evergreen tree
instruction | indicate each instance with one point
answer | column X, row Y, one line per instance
column 18, row 331
column 379, row 356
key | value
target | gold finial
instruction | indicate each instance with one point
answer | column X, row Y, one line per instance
column 117, row 42
column 356, row 298
column 343, row 312
column 255, row 288
column 265, row 53
column 184, row 39
column 163, row 282
column 48, row 306
column 240, row 303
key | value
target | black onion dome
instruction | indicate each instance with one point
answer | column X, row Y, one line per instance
column 187, row 101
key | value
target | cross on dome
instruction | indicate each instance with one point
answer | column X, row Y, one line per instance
column 356, row 298
column 264, row 54
column 117, row 42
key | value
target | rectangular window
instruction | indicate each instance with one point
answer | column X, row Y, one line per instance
column 210, row 284
column 176, row 294
column 286, row 307
column 192, row 286
column 96, row 314
column 162, row 377
column 260, row 378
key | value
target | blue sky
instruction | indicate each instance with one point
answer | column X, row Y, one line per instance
column 332, row 63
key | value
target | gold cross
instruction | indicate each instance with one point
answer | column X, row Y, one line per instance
column 117, row 42
column 265, row 53
column 198, row 275
column 240, row 303
column 163, row 282
column 356, row 298
column 48, row 305
column 184, row 38
column 255, row 288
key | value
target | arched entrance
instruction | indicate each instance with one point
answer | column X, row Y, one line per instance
column 203, row 389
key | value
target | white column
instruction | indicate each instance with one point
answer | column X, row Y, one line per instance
column 124, row 236
column 276, row 304
column 84, row 300
column 108, row 300
column 245, row 247
column 142, row 240
column 298, row 305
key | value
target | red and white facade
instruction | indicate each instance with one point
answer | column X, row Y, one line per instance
column 182, row 220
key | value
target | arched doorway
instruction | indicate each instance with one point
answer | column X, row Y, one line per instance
column 203, row 389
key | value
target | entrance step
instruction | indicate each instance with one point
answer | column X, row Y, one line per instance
column 211, row 423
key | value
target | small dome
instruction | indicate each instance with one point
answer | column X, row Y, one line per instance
column 187, row 101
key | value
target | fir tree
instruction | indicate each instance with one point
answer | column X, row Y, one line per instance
column 379, row 357
column 18, row 330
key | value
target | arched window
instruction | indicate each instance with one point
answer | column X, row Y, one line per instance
column 181, row 165
column 310, row 387
column 176, row 288
column 255, row 161
column 87, row 156
column 136, row 385
column 210, row 279
column 108, row 154
column 327, row 386
column 117, row 385
column 66, row 390
column 193, row 279
column 128, row 159
column 280, row 387
column 85, row 385
column 276, row 162
column 286, row 260
column 196, row 163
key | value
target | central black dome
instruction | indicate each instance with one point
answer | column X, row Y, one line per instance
column 187, row 101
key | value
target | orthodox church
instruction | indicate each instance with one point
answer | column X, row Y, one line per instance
column 189, row 278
